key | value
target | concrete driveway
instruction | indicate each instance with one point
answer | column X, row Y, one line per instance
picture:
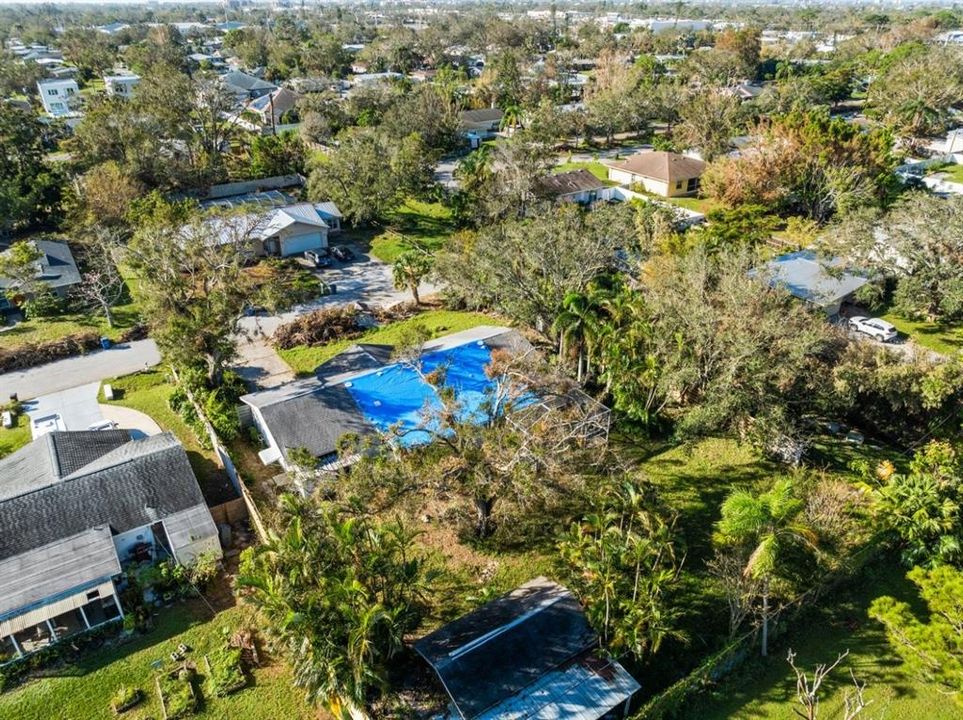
column 364, row 279
column 72, row 409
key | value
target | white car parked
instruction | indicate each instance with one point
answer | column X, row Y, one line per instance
column 874, row 327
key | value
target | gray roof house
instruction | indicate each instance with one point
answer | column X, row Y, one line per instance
column 531, row 654
column 823, row 283
column 314, row 413
column 246, row 87
column 56, row 267
column 579, row 186
column 75, row 506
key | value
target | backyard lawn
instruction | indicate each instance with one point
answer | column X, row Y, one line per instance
column 944, row 339
column 84, row 691
column 428, row 224
column 304, row 359
column 150, row 393
column 954, row 173
column 764, row 690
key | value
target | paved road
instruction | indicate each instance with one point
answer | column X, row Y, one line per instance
column 366, row 280
column 64, row 374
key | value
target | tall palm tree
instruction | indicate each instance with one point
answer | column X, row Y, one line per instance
column 581, row 323
column 766, row 525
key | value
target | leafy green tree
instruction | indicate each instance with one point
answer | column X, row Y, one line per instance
column 933, row 647
column 338, row 594
column 370, row 174
column 555, row 252
column 30, row 190
column 709, row 119
column 19, row 265
column 922, row 506
column 922, row 241
column 744, row 226
column 277, row 155
column 767, row 525
column 620, row 562
column 191, row 279
column 916, row 94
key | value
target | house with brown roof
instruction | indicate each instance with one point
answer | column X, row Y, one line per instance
column 579, row 186
column 661, row 173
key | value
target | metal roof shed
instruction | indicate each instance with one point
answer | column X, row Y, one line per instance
column 529, row 654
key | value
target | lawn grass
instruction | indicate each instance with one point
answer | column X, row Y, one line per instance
column 41, row 330
column 14, row 438
column 596, row 168
column 150, row 392
column 765, row 689
column 954, row 173
column 944, row 339
column 428, row 224
column 304, row 359
column 84, row 691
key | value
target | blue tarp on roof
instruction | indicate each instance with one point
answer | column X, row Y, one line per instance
column 398, row 396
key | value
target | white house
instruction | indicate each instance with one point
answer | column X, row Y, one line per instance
column 74, row 508
column 121, row 85
column 280, row 231
column 59, row 97
column 660, row 173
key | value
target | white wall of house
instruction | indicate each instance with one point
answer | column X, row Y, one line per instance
column 121, row 85
column 679, row 188
column 57, row 96
column 297, row 239
column 582, row 196
column 124, row 542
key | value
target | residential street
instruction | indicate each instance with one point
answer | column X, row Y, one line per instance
column 80, row 370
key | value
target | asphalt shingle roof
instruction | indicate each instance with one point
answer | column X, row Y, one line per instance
column 660, row 165
column 568, row 183
column 134, row 484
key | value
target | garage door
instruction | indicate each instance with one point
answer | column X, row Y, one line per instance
column 297, row 244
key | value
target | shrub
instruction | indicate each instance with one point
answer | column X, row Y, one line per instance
column 43, row 304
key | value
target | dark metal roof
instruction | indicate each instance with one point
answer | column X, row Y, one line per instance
column 363, row 356
column 133, row 484
column 497, row 651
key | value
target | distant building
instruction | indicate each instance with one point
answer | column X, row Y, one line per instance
column 59, row 96
column 271, row 107
column 483, row 123
column 528, row 654
column 75, row 507
column 121, row 85
column 246, row 87
column 661, row 173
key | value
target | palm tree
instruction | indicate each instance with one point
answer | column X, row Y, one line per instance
column 581, row 323
column 409, row 269
column 765, row 525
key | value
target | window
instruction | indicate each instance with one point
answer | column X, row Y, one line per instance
column 52, row 92
column 93, row 594
column 678, row 184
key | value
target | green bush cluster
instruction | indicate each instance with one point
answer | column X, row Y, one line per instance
column 225, row 671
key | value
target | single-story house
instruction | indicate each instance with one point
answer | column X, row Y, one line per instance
column 579, row 186
column 484, row 123
column 349, row 394
column 528, row 654
column 661, row 173
column 74, row 508
column 56, row 268
column 246, row 87
column 273, row 105
column 824, row 284
column 280, row 231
